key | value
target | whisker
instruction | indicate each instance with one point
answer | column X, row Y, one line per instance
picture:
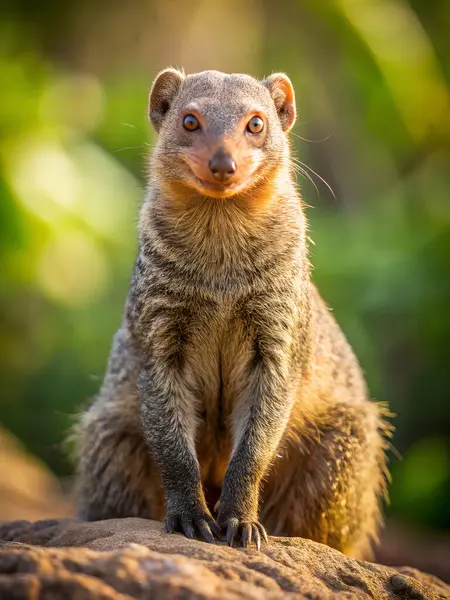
column 299, row 169
column 321, row 179
column 126, row 148
column 312, row 141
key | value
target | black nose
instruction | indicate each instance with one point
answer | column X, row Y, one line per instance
column 222, row 165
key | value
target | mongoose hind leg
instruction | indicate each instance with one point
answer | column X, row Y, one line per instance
column 328, row 486
column 116, row 473
column 117, row 477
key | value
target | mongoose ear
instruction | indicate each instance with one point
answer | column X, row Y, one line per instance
column 282, row 92
column 164, row 89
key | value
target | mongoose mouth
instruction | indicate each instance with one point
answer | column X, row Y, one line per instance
column 217, row 190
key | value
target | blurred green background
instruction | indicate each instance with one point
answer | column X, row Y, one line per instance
column 371, row 79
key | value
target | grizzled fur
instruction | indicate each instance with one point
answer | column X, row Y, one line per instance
column 229, row 384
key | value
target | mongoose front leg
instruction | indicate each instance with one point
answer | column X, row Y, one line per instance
column 168, row 423
column 168, row 407
column 264, row 410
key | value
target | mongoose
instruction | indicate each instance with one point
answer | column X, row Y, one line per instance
column 229, row 385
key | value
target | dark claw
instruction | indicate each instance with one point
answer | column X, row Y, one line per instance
column 171, row 524
column 215, row 528
column 257, row 536
column 246, row 534
column 263, row 532
column 249, row 531
column 188, row 528
column 204, row 529
column 203, row 525
column 233, row 526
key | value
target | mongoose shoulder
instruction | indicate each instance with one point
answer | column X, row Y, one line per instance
column 230, row 387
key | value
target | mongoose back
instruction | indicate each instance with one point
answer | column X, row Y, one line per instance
column 230, row 387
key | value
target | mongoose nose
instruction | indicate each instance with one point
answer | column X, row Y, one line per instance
column 222, row 166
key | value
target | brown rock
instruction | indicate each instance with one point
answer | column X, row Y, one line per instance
column 135, row 558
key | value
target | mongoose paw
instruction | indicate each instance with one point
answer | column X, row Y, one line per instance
column 248, row 530
column 203, row 525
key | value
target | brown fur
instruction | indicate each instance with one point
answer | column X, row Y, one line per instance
column 229, row 380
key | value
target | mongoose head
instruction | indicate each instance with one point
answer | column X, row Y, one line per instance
column 220, row 135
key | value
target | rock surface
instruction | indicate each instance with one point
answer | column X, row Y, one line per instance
column 134, row 558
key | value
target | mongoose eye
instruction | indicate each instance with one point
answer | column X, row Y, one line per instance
column 255, row 125
column 190, row 123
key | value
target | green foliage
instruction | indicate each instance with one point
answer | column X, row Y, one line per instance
column 372, row 93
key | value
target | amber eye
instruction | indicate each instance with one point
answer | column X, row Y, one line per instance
column 190, row 123
column 255, row 125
